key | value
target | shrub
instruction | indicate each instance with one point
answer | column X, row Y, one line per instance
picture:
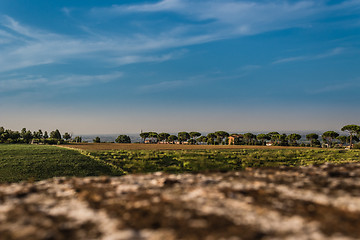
column 123, row 139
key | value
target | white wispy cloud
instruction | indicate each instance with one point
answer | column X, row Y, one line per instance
column 142, row 59
column 231, row 17
column 66, row 11
column 21, row 83
column 163, row 86
column 331, row 53
column 290, row 59
column 31, row 33
column 336, row 87
column 83, row 80
column 30, row 82
column 24, row 46
column 223, row 19
column 164, row 5
column 33, row 47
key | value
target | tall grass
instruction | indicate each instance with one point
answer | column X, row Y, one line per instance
column 136, row 161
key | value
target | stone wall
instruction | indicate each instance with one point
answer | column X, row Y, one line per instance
column 320, row 202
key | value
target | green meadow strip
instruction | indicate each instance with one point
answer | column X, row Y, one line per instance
column 177, row 161
column 117, row 169
column 20, row 162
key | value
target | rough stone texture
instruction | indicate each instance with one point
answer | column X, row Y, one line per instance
column 280, row 203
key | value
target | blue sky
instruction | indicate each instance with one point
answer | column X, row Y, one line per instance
column 121, row 66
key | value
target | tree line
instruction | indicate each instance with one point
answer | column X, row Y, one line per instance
column 329, row 138
column 43, row 137
column 26, row 136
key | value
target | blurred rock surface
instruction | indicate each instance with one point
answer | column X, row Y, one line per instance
column 318, row 202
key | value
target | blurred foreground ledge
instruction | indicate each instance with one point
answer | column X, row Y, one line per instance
column 318, row 202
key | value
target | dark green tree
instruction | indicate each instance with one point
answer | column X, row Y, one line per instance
column 23, row 133
column 4, row 136
column 194, row 135
column 38, row 134
column 153, row 136
column 144, row 135
column 55, row 134
column 67, row 136
column 279, row 139
column 172, row 139
column 352, row 130
column 293, row 138
column 249, row 138
column 211, row 138
column 183, row 137
column 329, row 136
column 78, row 139
column 123, row 139
column 262, row 138
column 343, row 139
column 273, row 133
column 26, row 135
column 14, row 136
column 273, row 136
column 220, row 136
column 202, row 139
column 163, row 136
column 313, row 138
column 46, row 136
column 96, row 140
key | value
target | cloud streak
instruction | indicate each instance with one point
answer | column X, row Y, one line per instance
column 163, row 86
column 336, row 87
column 235, row 18
column 30, row 47
column 331, row 53
column 23, row 46
column 31, row 82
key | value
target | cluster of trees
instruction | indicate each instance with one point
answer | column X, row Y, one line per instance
column 216, row 138
column 119, row 139
column 329, row 138
column 181, row 137
column 123, row 139
column 332, row 138
column 26, row 136
column 275, row 138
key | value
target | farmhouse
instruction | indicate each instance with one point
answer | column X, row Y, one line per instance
column 234, row 138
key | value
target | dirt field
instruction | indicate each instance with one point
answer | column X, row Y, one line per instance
column 136, row 146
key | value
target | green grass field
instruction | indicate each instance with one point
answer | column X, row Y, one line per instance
column 36, row 162
column 177, row 161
